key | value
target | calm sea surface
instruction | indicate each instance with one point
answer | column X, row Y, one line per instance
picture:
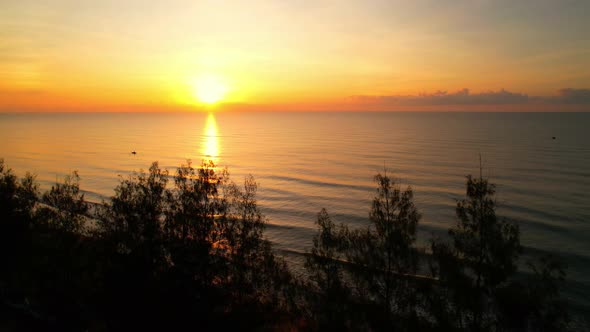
column 306, row 161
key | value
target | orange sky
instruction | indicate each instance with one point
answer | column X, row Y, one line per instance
column 298, row 55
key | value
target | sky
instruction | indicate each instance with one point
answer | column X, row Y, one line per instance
column 294, row 55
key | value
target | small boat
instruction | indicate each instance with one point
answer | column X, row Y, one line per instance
column 133, row 152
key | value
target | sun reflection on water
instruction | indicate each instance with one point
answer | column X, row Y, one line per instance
column 210, row 144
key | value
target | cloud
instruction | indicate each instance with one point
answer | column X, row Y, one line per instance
column 573, row 96
column 461, row 97
column 465, row 97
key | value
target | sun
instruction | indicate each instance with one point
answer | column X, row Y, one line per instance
column 209, row 89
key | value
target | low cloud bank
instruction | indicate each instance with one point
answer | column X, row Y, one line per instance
column 572, row 96
column 465, row 97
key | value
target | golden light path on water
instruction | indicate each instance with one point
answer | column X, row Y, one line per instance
column 210, row 143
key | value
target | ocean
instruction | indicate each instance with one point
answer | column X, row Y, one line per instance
column 305, row 161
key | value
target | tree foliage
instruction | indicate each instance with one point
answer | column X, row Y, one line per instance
column 168, row 252
column 153, row 256
column 65, row 206
column 381, row 258
column 482, row 256
column 472, row 286
column 17, row 198
column 330, row 298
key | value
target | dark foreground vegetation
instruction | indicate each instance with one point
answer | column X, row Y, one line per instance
column 191, row 255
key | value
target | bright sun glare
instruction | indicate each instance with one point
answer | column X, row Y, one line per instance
column 209, row 89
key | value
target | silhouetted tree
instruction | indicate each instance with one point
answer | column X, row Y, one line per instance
column 64, row 258
column 65, row 208
column 255, row 276
column 17, row 198
column 194, row 254
column 534, row 303
column 384, row 255
column 194, row 204
column 382, row 261
column 198, row 246
column 134, row 213
column 17, row 202
column 324, row 261
column 52, row 274
column 191, row 226
column 130, row 229
column 481, row 258
column 329, row 294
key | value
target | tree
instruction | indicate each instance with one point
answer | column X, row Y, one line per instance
column 191, row 226
column 382, row 259
column 194, row 203
column 17, row 198
column 17, row 204
column 133, row 215
column 481, row 258
column 324, row 263
column 255, row 273
column 65, row 208
column 63, row 259
column 384, row 254
column 534, row 303
column 329, row 296
column 196, row 255
column 243, row 225
column 197, row 247
column 49, row 269
column 130, row 231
